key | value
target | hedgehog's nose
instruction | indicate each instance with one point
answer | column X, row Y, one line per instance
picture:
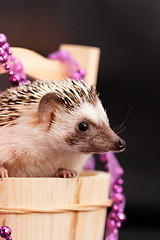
column 121, row 144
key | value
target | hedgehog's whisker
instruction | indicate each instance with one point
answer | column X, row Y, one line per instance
column 119, row 128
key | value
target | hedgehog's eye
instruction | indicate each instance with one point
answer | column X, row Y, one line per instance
column 83, row 126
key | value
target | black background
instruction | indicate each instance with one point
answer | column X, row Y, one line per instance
column 128, row 33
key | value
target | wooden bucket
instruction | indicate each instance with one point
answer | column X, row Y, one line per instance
column 55, row 208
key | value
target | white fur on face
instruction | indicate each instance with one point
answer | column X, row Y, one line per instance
column 65, row 123
column 93, row 113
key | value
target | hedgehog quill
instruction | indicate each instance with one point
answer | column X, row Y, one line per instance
column 50, row 129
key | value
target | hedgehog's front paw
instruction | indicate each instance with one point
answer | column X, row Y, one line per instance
column 66, row 173
column 3, row 173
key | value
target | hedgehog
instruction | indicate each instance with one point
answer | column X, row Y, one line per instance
column 49, row 129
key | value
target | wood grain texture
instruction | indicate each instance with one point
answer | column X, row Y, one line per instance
column 93, row 187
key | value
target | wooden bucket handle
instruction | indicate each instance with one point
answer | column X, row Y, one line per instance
column 41, row 68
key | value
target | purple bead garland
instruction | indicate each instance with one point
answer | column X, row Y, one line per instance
column 11, row 63
column 116, row 215
column 73, row 70
column 5, row 232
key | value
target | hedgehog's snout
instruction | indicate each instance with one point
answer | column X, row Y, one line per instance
column 117, row 144
column 112, row 141
column 121, row 144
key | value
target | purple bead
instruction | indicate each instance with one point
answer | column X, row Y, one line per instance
column 113, row 215
column 14, row 79
column 115, row 230
column 121, row 216
column 115, row 208
column 17, row 67
column 118, row 224
column 10, row 72
column 117, row 188
column 120, row 171
column 63, row 55
column 3, row 39
column 76, row 76
column 117, row 198
column 112, row 223
column 2, row 51
column 53, row 56
column 9, row 52
column 6, row 46
column 116, row 218
column 7, row 67
column 9, row 238
column 120, row 181
column 26, row 82
column 82, row 72
column 1, row 59
column 23, row 77
column 20, row 83
column 4, row 58
column 5, row 232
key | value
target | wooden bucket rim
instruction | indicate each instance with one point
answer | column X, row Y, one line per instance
column 83, row 175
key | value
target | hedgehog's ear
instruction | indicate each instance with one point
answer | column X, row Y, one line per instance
column 47, row 107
